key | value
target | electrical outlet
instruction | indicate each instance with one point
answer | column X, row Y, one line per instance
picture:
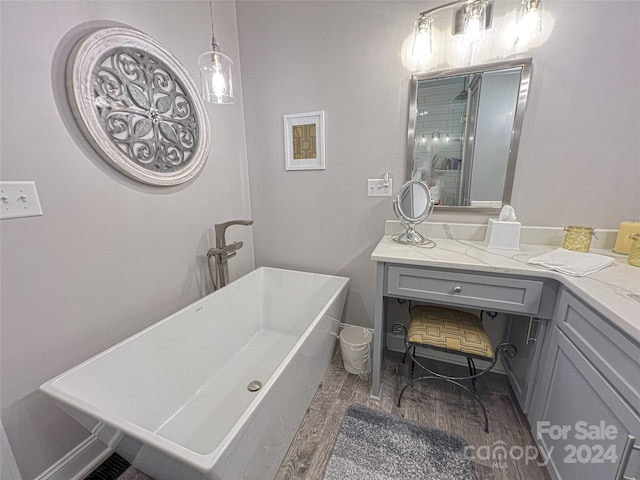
column 377, row 188
column 19, row 199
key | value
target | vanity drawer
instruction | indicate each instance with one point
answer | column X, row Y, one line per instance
column 614, row 354
column 477, row 291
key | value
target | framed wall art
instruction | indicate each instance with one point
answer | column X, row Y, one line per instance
column 304, row 142
column 138, row 106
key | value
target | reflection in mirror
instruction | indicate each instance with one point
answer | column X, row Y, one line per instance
column 413, row 206
column 464, row 130
column 413, row 201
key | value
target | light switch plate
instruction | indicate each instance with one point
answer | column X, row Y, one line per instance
column 19, row 199
column 377, row 188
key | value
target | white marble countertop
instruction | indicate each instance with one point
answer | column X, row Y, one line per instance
column 614, row 291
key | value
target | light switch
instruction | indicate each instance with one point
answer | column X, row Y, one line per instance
column 376, row 187
column 19, row 199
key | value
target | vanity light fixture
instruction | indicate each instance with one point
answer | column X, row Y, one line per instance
column 216, row 72
column 470, row 18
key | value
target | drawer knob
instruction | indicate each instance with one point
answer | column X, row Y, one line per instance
column 457, row 289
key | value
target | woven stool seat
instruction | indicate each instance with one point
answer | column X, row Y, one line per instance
column 448, row 329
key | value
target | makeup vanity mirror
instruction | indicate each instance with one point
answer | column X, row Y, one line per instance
column 412, row 206
column 464, row 130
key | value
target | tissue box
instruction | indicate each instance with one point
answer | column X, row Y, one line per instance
column 504, row 235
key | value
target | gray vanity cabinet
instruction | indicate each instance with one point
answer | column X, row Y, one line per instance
column 585, row 401
column 527, row 334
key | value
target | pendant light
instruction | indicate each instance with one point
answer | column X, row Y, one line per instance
column 216, row 72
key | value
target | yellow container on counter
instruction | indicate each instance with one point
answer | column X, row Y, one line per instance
column 577, row 238
column 628, row 226
column 634, row 252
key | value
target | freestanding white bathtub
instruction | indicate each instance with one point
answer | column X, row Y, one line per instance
column 173, row 399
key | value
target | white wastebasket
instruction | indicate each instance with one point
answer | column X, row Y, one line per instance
column 355, row 345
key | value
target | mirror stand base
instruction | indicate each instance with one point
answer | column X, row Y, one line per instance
column 411, row 237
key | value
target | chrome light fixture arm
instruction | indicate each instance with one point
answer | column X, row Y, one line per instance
column 431, row 11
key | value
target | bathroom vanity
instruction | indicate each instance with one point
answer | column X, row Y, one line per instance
column 577, row 372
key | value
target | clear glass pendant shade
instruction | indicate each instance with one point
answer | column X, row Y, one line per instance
column 216, row 77
column 422, row 39
column 475, row 21
column 530, row 20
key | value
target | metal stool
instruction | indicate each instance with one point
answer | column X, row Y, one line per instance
column 452, row 331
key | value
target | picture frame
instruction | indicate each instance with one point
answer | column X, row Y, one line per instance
column 304, row 141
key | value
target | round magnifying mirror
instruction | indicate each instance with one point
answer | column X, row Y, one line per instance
column 413, row 205
column 414, row 201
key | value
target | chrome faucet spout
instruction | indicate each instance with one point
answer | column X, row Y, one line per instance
column 221, row 229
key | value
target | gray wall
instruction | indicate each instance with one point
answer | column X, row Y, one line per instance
column 110, row 255
column 579, row 153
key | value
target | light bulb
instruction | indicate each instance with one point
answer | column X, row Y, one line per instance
column 218, row 83
column 530, row 24
column 473, row 29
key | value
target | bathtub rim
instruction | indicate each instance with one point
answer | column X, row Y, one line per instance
column 202, row 462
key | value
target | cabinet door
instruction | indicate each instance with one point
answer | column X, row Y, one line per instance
column 572, row 400
column 527, row 334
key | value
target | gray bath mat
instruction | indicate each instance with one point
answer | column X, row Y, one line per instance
column 376, row 446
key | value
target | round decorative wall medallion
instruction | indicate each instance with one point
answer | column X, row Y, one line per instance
column 138, row 106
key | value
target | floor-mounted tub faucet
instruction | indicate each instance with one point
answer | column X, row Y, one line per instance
column 222, row 253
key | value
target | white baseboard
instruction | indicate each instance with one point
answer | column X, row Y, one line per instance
column 84, row 458
column 396, row 344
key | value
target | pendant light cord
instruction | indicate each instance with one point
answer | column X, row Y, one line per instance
column 214, row 45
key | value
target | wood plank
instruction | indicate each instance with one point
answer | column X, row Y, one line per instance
column 435, row 404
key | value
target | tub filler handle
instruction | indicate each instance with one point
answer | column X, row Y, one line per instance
column 222, row 253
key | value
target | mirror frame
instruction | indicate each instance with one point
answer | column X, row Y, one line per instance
column 525, row 79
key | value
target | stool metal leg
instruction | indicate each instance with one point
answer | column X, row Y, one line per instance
column 473, row 372
column 413, row 365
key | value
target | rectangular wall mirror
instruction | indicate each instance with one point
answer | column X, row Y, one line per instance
column 464, row 130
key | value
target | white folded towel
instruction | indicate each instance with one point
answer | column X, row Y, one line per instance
column 572, row 263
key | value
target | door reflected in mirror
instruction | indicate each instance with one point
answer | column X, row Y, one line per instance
column 464, row 130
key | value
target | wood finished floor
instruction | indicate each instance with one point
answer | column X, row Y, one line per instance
column 434, row 404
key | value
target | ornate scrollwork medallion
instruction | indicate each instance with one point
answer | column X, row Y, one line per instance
column 138, row 106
